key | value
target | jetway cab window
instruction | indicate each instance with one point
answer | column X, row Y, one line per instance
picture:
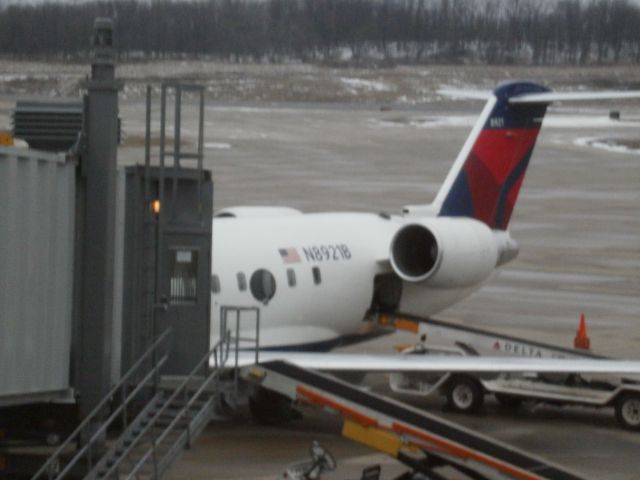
column 242, row 281
column 291, row 277
column 317, row 278
column 262, row 285
column 183, row 271
column 215, row 284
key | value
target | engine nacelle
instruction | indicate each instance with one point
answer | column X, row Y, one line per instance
column 444, row 252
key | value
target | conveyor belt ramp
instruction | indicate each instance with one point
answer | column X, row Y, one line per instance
column 417, row 438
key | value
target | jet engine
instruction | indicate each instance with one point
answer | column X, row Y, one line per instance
column 444, row 252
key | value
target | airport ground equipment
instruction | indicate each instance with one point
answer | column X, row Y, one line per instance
column 479, row 341
column 321, row 461
column 465, row 392
column 419, row 439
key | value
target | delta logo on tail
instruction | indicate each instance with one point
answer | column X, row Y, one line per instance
column 487, row 186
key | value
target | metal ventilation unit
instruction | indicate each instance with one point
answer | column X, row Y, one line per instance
column 52, row 125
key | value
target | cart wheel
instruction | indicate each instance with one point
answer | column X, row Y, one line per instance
column 465, row 394
column 628, row 411
column 510, row 402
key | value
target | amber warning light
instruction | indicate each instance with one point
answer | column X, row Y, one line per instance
column 155, row 207
column 6, row 139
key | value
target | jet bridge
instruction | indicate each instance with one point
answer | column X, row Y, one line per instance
column 416, row 438
column 99, row 265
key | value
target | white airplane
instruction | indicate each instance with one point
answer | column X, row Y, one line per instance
column 316, row 277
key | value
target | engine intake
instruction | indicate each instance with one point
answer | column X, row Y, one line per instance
column 414, row 253
column 444, row 252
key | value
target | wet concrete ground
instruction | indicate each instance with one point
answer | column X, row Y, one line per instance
column 577, row 223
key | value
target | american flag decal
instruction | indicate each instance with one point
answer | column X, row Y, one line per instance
column 289, row 255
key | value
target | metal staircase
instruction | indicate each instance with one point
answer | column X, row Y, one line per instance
column 158, row 416
column 139, row 386
column 168, row 425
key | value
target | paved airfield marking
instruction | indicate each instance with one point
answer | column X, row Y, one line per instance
column 576, row 221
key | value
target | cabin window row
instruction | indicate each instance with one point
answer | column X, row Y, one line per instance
column 262, row 282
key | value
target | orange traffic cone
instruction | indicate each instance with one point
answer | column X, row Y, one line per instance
column 582, row 341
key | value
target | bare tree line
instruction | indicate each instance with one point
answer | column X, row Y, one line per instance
column 350, row 31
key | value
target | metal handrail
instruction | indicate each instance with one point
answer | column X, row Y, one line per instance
column 224, row 311
column 182, row 412
column 52, row 463
column 220, row 353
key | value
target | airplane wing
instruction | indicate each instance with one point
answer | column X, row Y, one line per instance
column 362, row 362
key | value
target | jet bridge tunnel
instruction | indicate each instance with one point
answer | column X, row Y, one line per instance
column 98, row 260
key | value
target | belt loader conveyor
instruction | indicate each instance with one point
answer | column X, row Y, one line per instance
column 481, row 341
column 465, row 392
column 412, row 436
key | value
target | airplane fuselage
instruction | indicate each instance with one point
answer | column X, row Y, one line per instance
column 313, row 276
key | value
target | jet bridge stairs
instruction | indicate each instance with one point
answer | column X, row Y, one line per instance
column 156, row 417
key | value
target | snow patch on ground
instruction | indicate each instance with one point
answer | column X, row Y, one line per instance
column 456, row 93
column 427, row 122
column 217, row 146
column 359, row 84
column 608, row 145
column 578, row 121
column 449, row 121
column 12, row 78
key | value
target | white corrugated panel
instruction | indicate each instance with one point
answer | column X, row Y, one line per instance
column 37, row 209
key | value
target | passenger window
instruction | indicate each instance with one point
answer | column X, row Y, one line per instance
column 242, row 282
column 215, row 284
column 291, row 277
column 263, row 285
column 317, row 279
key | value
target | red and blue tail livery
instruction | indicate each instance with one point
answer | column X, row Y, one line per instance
column 488, row 173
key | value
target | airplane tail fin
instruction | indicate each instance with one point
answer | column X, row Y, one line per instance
column 485, row 179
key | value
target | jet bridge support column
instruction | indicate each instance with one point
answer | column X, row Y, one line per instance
column 96, row 214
